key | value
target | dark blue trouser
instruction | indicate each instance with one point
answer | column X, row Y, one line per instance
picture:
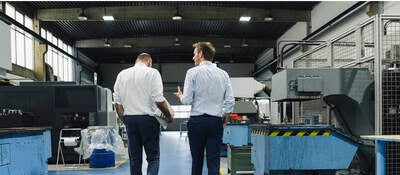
column 205, row 131
column 143, row 131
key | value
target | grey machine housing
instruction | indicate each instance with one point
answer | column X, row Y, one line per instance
column 349, row 92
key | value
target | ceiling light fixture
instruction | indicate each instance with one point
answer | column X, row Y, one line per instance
column 107, row 17
column 227, row 46
column 268, row 18
column 177, row 42
column 177, row 16
column 127, row 45
column 107, row 42
column 244, row 18
column 82, row 16
column 244, row 43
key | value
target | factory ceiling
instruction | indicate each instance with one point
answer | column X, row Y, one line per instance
column 148, row 27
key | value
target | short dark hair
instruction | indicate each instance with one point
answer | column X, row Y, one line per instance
column 206, row 48
column 143, row 56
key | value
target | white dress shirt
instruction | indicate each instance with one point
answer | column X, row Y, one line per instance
column 208, row 89
column 137, row 89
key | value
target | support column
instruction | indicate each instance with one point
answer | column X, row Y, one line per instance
column 2, row 4
column 40, row 49
column 374, row 8
column 380, row 157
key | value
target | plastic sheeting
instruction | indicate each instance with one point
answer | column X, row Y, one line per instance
column 100, row 137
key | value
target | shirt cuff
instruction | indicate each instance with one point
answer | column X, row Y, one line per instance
column 228, row 111
column 117, row 100
column 159, row 98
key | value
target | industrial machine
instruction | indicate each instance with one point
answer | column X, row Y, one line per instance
column 58, row 105
column 310, row 146
column 237, row 132
column 245, row 111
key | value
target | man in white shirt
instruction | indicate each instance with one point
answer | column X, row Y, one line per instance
column 138, row 90
column 207, row 89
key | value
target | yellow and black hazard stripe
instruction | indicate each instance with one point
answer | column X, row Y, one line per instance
column 294, row 133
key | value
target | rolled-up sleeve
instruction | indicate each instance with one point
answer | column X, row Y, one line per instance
column 116, row 94
column 157, row 88
column 229, row 100
column 187, row 97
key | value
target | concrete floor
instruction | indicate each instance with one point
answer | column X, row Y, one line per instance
column 175, row 159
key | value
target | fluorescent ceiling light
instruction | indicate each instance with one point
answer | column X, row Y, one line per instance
column 245, row 18
column 107, row 43
column 227, row 46
column 108, row 18
column 268, row 18
column 82, row 17
column 177, row 42
column 177, row 17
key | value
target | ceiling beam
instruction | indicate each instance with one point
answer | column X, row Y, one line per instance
column 165, row 41
column 166, row 13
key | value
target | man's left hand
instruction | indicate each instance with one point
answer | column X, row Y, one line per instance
column 179, row 93
column 225, row 119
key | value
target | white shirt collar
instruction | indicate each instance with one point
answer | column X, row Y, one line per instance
column 205, row 63
column 140, row 64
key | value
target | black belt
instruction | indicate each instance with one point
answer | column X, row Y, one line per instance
column 138, row 115
column 205, row 115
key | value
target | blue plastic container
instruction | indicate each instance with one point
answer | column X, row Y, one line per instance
column 101, row 158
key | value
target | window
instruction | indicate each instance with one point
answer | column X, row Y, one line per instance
column 181, row 111
column 21, row 41
column 10, row 11
column 22, row 52
column 63, row 65
column 20, row 48
column 42, row 32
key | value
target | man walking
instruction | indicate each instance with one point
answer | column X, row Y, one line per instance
column 208, row 90
column 137, row 92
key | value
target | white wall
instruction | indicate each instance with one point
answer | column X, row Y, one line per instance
column 326, row 11
column 296, row 32
column 346, row 24
column 391, row 7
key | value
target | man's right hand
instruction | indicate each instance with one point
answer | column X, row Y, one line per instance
column 120, row 111
column 165, row 113
column 169, row 118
